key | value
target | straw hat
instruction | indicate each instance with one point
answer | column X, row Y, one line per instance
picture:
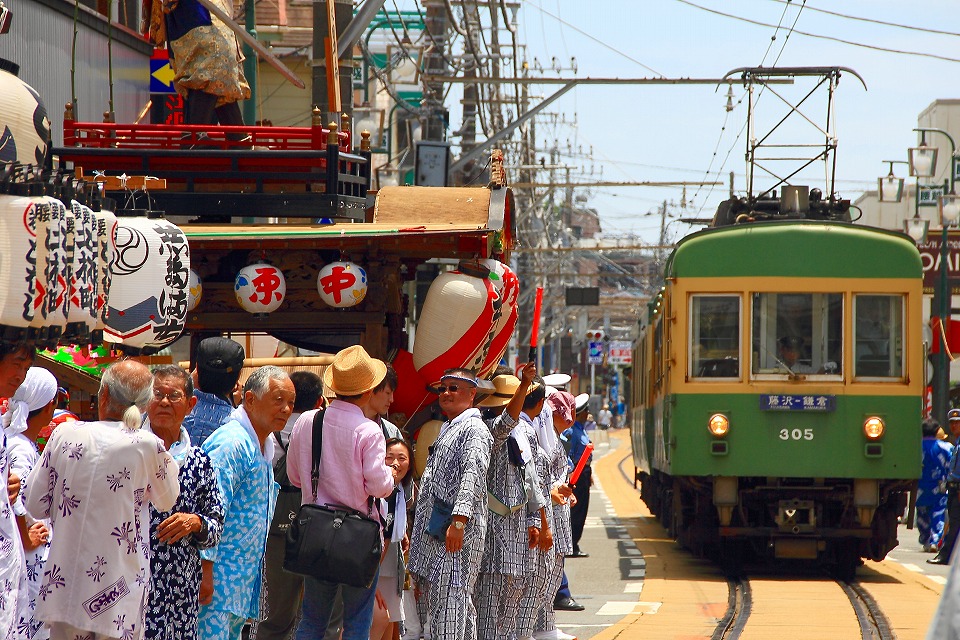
column 353, row 372
column 504, row 388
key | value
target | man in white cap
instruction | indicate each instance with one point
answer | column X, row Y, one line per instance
column 352, row 469
column 515, row 519
column 30, row 409
column 451, row 520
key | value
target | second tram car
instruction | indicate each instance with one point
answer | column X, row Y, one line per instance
column 777, row 390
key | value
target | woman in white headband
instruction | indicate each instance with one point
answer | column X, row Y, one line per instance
column 30, row 409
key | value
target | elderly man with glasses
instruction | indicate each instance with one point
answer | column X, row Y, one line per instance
column 194, row 523
column 451, row 518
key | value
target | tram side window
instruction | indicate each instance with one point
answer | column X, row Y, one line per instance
column 715, row 336
column 797, row 333
column 878, row 335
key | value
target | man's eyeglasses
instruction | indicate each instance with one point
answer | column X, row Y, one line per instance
column 452, row 388
column 173, row 396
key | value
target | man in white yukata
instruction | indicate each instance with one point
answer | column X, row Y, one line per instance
column 242, row 454
column 94, row 482
column 451, row 519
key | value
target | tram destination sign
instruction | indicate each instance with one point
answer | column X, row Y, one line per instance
column 791, row 402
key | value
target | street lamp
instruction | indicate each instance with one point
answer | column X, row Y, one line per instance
column 890, row 187
column 923, row 163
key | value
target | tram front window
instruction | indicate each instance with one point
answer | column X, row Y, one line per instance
column 715, row 336
column 878, row 336
column 797, row 333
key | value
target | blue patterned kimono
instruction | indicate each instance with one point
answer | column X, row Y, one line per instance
column 245, row 474
column 931, row 494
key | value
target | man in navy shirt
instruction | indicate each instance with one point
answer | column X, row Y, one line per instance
column 578, row 440
column 219, row 361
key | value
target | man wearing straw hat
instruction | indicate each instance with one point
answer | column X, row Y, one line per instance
column 515, row 504
column 352, row 469
column 451, row 520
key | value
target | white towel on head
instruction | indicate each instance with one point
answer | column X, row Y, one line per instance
column 38, row 390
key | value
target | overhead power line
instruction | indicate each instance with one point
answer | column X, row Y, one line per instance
column 874, row 21
column 821, row 37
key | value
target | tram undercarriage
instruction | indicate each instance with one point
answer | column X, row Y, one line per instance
column 834, row 521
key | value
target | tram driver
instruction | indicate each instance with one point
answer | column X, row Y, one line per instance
column 788, row 357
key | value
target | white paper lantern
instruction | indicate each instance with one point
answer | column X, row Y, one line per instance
column 82, row 314
column 24, row 125
column 260, row 288
column 50, row 317
column 195, row 290
column 106, row 247
column 342, row 284
column 148, row 296
column 19, row 296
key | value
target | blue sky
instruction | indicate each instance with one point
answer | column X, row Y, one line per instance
column 676, row 133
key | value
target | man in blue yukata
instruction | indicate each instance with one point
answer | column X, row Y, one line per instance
column 242, row 454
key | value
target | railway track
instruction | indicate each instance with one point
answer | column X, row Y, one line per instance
column 870, row 618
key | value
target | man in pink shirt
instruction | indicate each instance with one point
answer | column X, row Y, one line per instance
column 352, row 469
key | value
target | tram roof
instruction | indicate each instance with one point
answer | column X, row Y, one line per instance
column 796, row 248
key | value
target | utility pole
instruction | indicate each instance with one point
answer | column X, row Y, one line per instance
column 435, row 124
column 343, row 10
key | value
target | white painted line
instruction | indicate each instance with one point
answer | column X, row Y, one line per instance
column 938, row 579
column 616, row 608
column 911, row 567
column 633, row 587
column 583, row 626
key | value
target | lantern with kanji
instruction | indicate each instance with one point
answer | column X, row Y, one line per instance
column 342, row 284
column 106, row 249
column 52, row 269
column 195, row 290
column 260, row 288
column 20, row 296
column 148, row 296
column 82, row 314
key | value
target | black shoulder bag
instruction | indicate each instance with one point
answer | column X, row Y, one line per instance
column 333, row 543
column 288, row 500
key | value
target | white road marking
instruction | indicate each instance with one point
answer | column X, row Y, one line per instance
column 938, row 579
column 619, row 608
column 633, row 587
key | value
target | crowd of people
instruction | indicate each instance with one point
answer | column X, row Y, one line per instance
column 167, row 517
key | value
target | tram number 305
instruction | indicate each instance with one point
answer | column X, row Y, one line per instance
column 796, row 434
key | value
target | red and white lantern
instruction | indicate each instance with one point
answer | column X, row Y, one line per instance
column 455, row 324
column 342, row 284
column 260, row 288
column 507, row 285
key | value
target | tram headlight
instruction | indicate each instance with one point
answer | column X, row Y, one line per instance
column 873, row 428
column 718, row 425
